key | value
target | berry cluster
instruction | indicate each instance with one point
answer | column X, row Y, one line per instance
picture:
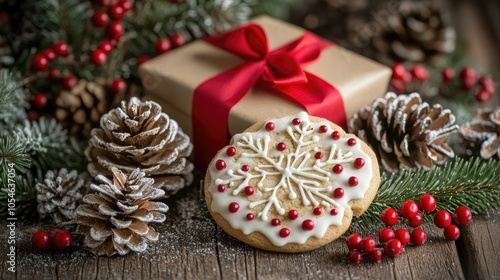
column 418, row 79
column 56, row 238
column 392, row 242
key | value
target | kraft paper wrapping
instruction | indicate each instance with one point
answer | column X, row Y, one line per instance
column 170, row 79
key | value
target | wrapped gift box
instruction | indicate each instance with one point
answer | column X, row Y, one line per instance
column 172, row 78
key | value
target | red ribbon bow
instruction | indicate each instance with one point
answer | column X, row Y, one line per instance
column 278, row 71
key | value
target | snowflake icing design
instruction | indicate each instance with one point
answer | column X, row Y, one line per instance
column 293, row 170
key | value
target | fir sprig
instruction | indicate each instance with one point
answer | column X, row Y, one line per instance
column 474, row 183
column 12, row 101
column 13, row 152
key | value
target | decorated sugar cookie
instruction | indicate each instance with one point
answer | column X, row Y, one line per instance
column 291, row 184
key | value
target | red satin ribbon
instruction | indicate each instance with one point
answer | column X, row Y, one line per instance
column 278, row 71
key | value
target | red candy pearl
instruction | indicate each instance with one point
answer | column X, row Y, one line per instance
column 281, row 146
column 409, row 209
column 427, row 203
column 307, row 225
column 270, row 126
column 296, row 121
column 451, row 232
column 275, row 222
column 338, row 193
column 233, row 207
column 442, row 219
column 359, row 162
column 162, row 45
column 62, row 239
column 353, row 181
column 99, row 19
column 250, row 216
column 318, row 155
column 220, row 164
column 351, row 142
column 463, row 215
column 293, row 214
column 337, row 168
column 245, row 168
column 318, row 211
column 40, row 239
column 418, row 236
column 221, row 188
column 249, row 190
column 231, row 151
column 389, row 216
column 284, row 232
column 393, row 248
column 402, row 235
column 334, row 212
column 335, row 135
column 61, row 48
column 323, row 129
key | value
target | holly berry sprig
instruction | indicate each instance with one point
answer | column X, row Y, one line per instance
column 55, row 238
column 419, row 79
column 391, row 241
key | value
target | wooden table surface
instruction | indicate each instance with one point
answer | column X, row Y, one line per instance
column 191, row 246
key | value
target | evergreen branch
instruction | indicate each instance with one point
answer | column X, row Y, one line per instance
column 25, row 195
column 474, row 183
column 12, row 101
column 13, row 152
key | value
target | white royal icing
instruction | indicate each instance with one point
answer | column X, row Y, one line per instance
column 305, row 180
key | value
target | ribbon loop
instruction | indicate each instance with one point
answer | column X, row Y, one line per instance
column 282, row 68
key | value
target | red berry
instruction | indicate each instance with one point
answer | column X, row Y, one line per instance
column 359, row 163
column 367, row 245
column 307, row 225
column 281, row 146
column 62, row 239
column 116, row 12
column 398, row 71
column 318, row 211
column 353, row 181
column 323, row 129
column 463, row 215
column 398, row 86
column 275, row 222
column 407, row 77
column 353, row 241
column 393, row 248
column 162, row 45
column 293, row 214
column 385, row 235
column 177, row 40
column 69, row 82
column 103, row 3
column 482, row 95
column 98, row 57
column 54, row 74
column 427, row 203
column 61, row 48
column 233, row 207
column 487, row 83
column 115, row 30
column 338, row 193
column 118, row 86
column 447, row 74
column 50, row 54
column 418, row 236
column 442, row 218
column 176, row 1
column 334, row 212
column 53, row 231
column 408, row 209
column 337, row 168
column 356, row 257
column 249, row 190
column 33, row 115
column 270, row 126
column 99, row 19
column 221, row 188
column 402, row 235
column 284, row 232
column 351, row 142
column 451, row 232
column 296, row 121
column 468, row 78
column 420, row 73
column 375, row 255
column 142, row 58
column 40, row 239
column 220, row 164
column 39, row 62
column 250, row 216
column 389, row 216
column 415, row 221
column 40, row 100
column 126, row 5
column 106, row 47
column 335, row 135
column 231, row 151
column 318, row 155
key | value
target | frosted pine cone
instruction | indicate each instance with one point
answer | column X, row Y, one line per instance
column 59, row 195
column 139, row 135
column 115, row 219
column 405, row 132
column 485, row 129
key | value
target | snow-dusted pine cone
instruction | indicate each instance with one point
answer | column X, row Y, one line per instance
column 484, row 129
column 418, row 32
column 115, row 219
column 59, row 194
column 404, row 131
column 139, row 135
